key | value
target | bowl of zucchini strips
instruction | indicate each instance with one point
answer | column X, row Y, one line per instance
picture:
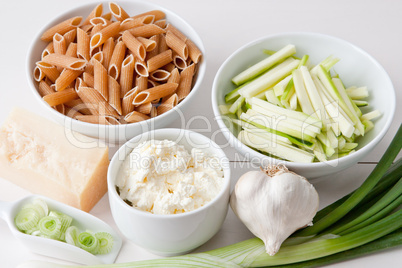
column 313, row 102
column 115, row 70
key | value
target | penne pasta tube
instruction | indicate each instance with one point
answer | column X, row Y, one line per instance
column 60, row 108
column 48, row 70
column 59, row 44
column 44, row 89
column 79, row 82
column 87, row 28
column 152, row 83
column 149, row 44
column 70, row 112
column 154, row 112
column 141, row 82
column 130, row 23
column 88, row 79
column 174, row 78
column 162, row 46
column 135, row 116
column 134, row 45
column 158, row 14
column 176, row 44
column 96, row 29
column 107, row 50
column 90, row 66
column 126, row 77
column 168, row 104
column 64, row 61
column 92, row 99
column 169, row 67
column 38, row 74
column 61, row 28
column 186, row 79
column 96, row 12
column 159, row 60
column 100, row 80
column 127, row 105
column 108, row 16
column 48, row 50
column 146, row 30
column 66, row 77
column 144, row 108
column 95, row 51
column 94, row 119
column 118, row 12
column 193, row 51
column 179, row 62
column 78, row 105
column 154, row 93
column 99, row 20
column 70, row 36
column 155, row 51
column 161, row 23
column 114, row 94
column 72, row 50
column 159, row 75
column 100, row 37
column 61, row 97
column 83, row 49
column 141, row 68
column 117, row 59
column 176, row 32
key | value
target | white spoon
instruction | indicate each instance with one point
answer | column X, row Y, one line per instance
column 57, row 249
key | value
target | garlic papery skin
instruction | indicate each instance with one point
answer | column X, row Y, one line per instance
column 274, row 203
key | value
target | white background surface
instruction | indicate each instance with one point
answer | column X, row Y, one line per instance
column 223, row 26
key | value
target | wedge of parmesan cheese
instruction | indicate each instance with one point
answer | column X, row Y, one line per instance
column 46, row 158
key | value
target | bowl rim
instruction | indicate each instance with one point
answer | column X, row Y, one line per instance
column 343, row 160
column 185, row 133
column 201, row 70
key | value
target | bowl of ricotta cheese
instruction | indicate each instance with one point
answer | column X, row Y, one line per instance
column 169, row 190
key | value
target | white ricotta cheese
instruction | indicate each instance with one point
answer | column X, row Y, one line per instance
column 162, row 177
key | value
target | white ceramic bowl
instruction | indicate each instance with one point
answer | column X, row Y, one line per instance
column 169, row 235
column 118, row 133
column 355, row 67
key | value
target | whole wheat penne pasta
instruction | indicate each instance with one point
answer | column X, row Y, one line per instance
column 158, row 14
column 48, row 81
column 59, row 44
column 126, row 77
column 100, row 20
column 127, row 105
column 88, row 79
column 107, row 50
column 60, row 97
column 134, row 45
column 144, row 108
column 174, row 76
column 169, row 67
column 176, row 44
column 96, row 29
column 70, row 36
column 193, row 51
column 78, row 105
column 154, row 93
column 176, row 32
column 179, row 62
column 141, row 82
column 60, row 108
column 156, row 102
column 66, row 77
column 155, row 51
column 186, row 79
column 146, row 30
column 106, row 109
column 91, row 97
column 149, row 44
column 94, row 119
column 44, row 89
column 95, row 51
column 72, row 50
column 117, row 59
column 48, row 50
column 100, row 80
column 159, row 75
column 141, row 68
column 135, row 22
column 114, row 94
column 38, row 74
column 108, row 16
column 79, row 82
column 161, row 23
column 152, row 83
column 83, row 48
column 64, row 61
column 96, row 12
column 118, row 12
column 113, row 120
column 154, row 112
column 168, row 104
column 159, row 60
column 90, row 66
column 48, row 70
column 70, row 112
column 162, row 46
column 61, row 28
column 135, row 116
column 87, row 28
column 100, row 37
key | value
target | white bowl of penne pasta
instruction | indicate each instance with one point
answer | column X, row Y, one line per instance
column 115, row 70
column 259, row 92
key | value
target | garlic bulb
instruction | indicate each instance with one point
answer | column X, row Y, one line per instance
column 273, row 203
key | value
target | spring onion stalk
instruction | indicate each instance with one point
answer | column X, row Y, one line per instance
column 380, row 169
column 264, row 65
column 236, row 105
column 357, row 93
column 360, row 103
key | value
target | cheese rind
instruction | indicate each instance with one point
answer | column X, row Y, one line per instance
column 40, row 156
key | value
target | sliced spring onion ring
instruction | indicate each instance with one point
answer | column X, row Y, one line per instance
column 71, row 235
column 88, row 242
column 105, row 242
column 50, row 226
column 27, row 219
